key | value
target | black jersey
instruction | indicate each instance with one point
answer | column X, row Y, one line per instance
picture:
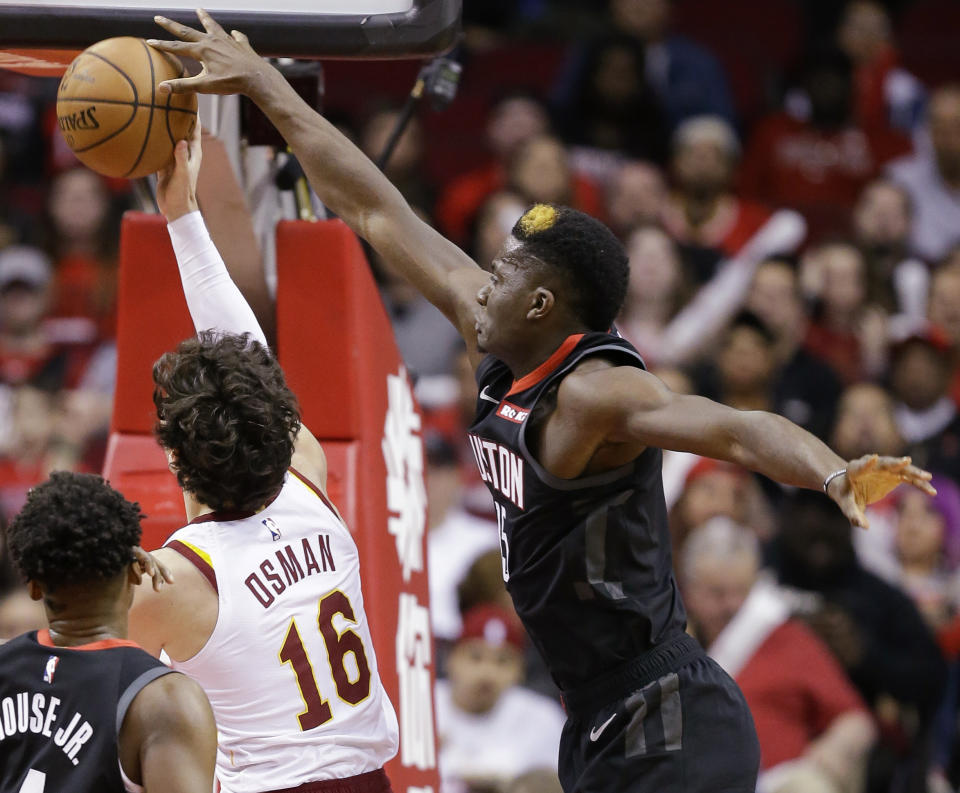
column 587, row 561
column 61, row 709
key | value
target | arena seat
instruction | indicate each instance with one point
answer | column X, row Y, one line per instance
column 928, row 39
column 756, row 44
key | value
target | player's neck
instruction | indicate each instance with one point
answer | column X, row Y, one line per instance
column 194, row 508
column 71, row 629
column 70, row 633
column 77, row 616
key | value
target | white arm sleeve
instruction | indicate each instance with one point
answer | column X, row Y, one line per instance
column 214, row 301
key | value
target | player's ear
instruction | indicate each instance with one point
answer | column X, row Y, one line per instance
column 34, row 590
column 541, row 303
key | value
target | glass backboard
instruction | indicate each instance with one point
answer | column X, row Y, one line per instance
column 294, row 28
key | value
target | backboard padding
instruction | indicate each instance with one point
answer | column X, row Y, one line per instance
column 295, row 28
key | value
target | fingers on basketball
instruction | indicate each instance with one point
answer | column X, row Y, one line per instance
column 183, row 85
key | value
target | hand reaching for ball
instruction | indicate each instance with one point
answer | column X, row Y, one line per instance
column 177, row 183
column 230, row 65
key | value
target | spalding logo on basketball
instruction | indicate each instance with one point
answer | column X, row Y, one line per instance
column 110, row 113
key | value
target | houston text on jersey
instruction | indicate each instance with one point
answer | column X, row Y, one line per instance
column 500, row 467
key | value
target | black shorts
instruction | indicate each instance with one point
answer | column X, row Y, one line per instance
column 679, row 725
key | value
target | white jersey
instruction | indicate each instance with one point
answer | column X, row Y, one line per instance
column 289, row 668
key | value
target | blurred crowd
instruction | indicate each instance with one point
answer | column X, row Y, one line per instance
column 785, row 175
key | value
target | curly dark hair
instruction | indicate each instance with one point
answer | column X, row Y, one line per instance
column 73, row 529
column 588, row 254
column 224, row 409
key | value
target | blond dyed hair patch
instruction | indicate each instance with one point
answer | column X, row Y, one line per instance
column 539, row 217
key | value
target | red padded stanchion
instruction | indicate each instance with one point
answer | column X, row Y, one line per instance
column 337, row 349
column 152, row 318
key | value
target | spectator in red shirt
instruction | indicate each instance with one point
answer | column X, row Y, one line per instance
column 813, row 727
column 872, row 628
column 702, row 213
column 540, row 172
column 817, row 159
column 885, row 95
column 82, row 240
column 513, row 120
column 34, row 350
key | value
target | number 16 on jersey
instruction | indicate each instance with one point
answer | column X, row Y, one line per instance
column 338, row 644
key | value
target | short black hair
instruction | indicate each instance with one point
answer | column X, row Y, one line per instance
column 224, row 409
column 587, row 253
column 747, row 319
column 73, row 529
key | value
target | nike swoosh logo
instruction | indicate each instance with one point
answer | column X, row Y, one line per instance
column 596, row 731
column 483, row 395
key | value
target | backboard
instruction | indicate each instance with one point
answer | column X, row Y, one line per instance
column 53, row 31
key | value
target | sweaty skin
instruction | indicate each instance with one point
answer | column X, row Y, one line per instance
column 604, row 415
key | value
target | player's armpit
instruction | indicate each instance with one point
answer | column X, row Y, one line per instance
column 168, row 740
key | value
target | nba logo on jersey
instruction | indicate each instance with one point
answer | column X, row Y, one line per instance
column 271, row 524
column 48, row 673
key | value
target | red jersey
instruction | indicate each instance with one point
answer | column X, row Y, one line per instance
column 795, row 689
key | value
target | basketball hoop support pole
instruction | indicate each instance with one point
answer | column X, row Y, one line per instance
column 437, row 79
column 413, row 99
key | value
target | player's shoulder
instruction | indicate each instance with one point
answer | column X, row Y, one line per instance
column 171, row 708
column 597, row 382
column 15, row 647
column 173, row 698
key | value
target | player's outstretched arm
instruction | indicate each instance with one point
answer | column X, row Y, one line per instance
column 168, row 740
column 343, row 177
column 632, row 406
column 212, row 297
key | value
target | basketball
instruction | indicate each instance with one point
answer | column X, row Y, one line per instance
column 110, row 113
